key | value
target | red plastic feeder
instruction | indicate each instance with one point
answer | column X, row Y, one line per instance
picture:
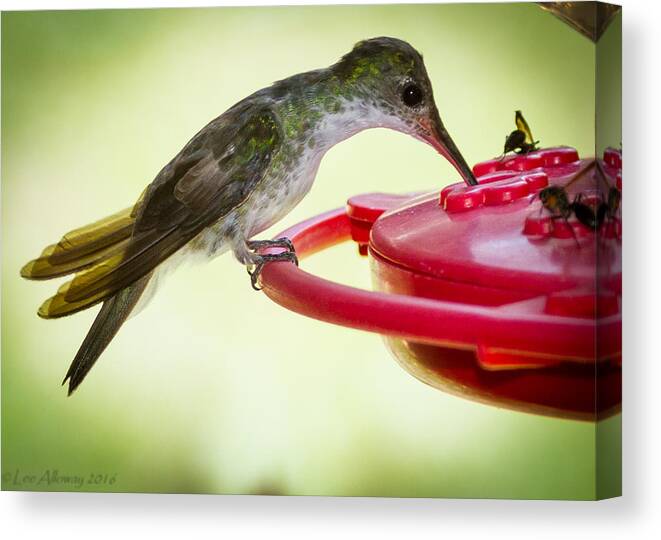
column 480, row 291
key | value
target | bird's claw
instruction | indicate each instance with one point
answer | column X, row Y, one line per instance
column 265, row 259
column 283, row 242
column 255, row 270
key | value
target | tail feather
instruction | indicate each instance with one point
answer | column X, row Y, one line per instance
column 60, row 305
column 44, row 268
column 86, row 251
column 110, row 318
column 83, row 247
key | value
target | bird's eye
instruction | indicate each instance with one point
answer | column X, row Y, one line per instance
column 412, row 95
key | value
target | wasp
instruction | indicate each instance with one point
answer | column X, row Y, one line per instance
column 520, row 140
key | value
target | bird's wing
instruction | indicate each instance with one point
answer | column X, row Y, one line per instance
column 215, row 173
column 522, row 125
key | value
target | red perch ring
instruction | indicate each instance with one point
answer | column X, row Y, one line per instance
column 479, row 292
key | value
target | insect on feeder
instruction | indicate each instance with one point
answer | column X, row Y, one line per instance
column 479, row 290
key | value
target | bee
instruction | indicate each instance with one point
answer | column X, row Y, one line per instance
column 586, row 215
column 610, row 208
column 556, row 201
column 607, row 210
column 520, row 140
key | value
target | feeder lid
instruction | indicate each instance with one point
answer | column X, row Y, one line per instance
column 498, row 235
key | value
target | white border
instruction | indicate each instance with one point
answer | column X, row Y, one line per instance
column 636, row 515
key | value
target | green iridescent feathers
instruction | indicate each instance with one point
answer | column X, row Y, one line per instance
column 210, row 177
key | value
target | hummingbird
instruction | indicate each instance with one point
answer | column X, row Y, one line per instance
column 236, row 177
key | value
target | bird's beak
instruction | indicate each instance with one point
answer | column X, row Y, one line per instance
column 434, row 133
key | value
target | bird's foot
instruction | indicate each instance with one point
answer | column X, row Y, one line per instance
column 283, row 242
column 260, row 261
column 263, row 260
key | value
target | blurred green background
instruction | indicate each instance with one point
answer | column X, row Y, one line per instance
column 213, row 388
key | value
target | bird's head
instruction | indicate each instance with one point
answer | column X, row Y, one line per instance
column 388, row 78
